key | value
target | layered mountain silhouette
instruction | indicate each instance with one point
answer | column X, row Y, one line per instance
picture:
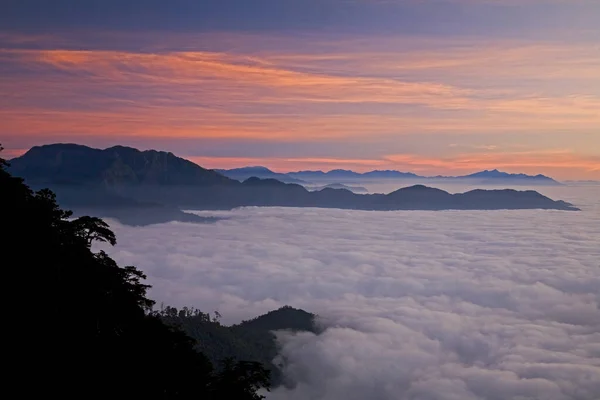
column 241, row 174
column 142, row 187
column 119, row 165
column 354, row 189
column 491, row 177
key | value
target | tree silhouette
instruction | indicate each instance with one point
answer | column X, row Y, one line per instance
column 240, row 379
column 81, row 325
column 93, row 229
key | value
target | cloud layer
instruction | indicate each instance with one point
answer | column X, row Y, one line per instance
column 416, row 305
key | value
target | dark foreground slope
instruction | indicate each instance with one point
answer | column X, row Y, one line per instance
column 90, row 333
column 151, row 186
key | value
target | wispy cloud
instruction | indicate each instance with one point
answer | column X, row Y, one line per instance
column 249, row 76
column 351, row 89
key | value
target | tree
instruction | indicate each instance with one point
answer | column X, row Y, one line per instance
column 240, row 380
column 217, row 317
column 93, row 229
column 3, row 163
column 91, row 332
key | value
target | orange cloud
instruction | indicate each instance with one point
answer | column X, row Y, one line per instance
column 349, row 91
column 245, row 77
column 244, row 80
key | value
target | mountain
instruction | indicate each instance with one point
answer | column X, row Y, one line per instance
column 494, row 176
column 119, row 165
column 241, row 174
column 251, row 340
column 141, row 187
column 355, row 189
column 390, row 174
column 491, row 177
column 97, row 182
column 342, row 173
column 319, row 175
column 98, row 319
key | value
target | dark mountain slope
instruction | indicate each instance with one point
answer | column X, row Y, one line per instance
column 251, row 340
column 99, row 335
column 76, row 164
column 496, row 199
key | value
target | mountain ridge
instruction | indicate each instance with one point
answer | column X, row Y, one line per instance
column 483, row 177
column 119, row 181
column 113, row 165
column 244, row 173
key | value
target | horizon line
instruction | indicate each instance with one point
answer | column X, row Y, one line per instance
column 19, row 152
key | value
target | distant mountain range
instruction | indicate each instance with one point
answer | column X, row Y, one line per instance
column 495, row 175
column 486, row 177
column 241, row 174
column 143, row 187
column 355, row 189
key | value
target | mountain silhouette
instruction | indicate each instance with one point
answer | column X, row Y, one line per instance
column 354, row 189
column 119, row 165
column 494, row 175
column 487, row 177
column 143, row 187
column 241, row 174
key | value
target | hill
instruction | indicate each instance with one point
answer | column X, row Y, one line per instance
column 98, row 332
column 354, row 189
column 72, row 164
column 494, row 176
column 242, row 174
column 251, row 340
column 96, row 182
column 491, row 177
column 121, row 182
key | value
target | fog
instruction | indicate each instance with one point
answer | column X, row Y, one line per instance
column 448, row 305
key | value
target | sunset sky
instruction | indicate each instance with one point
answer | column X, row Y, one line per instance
column 428, row 86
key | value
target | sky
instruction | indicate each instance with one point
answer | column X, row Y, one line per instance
column 427, row 86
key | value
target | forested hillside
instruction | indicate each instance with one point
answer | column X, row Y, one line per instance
column 90, row 331
column 251, row 340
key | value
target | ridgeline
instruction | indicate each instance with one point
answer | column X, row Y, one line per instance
column 145, row 187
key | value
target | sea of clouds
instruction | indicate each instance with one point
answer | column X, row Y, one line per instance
column 451, row 305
